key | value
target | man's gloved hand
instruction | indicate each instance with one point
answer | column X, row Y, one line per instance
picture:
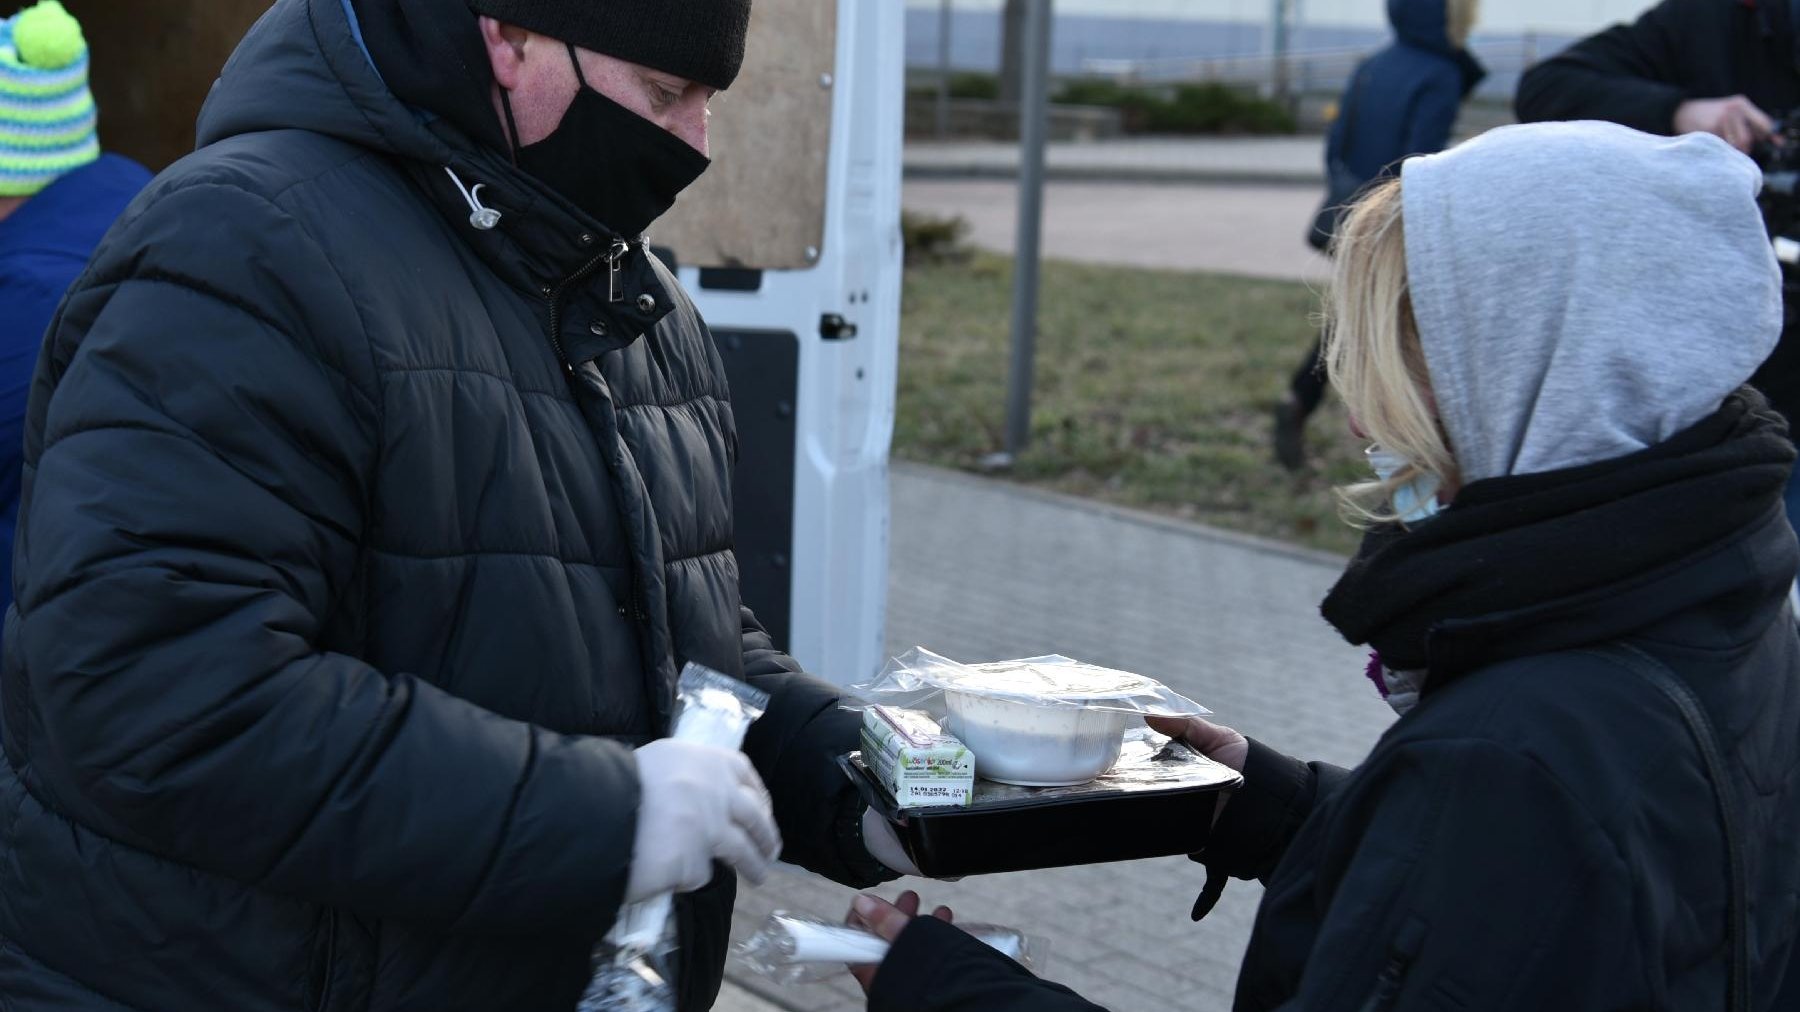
column 699, row 804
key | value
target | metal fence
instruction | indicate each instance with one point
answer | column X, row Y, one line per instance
column 1313, row 70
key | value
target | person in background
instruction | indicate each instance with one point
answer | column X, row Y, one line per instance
column 1691, row 66
column 1401, row 101
column 1575, row 580
column 58, row 196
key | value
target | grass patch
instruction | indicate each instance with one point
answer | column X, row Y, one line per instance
column 1153, row 390
column 1206, row 108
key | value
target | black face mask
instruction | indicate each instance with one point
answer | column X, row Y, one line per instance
column 612, row 163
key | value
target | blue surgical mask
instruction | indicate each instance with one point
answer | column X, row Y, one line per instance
column 1414, row 502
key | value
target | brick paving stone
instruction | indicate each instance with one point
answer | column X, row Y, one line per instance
column 736, row 999
column 985, row 570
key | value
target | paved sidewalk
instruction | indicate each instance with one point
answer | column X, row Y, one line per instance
column 1297, row 161
column 983, row 570
column 735, row 999
column 1223, row 228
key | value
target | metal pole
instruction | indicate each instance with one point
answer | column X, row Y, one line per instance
column 1014, row 40
column 943, row 88
column 1278, row 49
column 1033, row 120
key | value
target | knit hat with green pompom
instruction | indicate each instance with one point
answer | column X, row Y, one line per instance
column 47, row 114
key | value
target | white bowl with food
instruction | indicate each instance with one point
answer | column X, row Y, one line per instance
column 1036, row 746
column 1044, row 722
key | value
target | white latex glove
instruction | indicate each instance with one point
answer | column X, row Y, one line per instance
column 700, row 804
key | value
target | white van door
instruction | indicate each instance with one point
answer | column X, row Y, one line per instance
column 791, row 246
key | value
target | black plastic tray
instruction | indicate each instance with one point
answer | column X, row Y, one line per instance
column 1157, row 802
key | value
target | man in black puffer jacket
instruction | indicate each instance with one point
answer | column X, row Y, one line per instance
column 1688, row 66
column 376, row 490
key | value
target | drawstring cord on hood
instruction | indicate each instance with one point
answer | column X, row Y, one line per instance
column 480, row 216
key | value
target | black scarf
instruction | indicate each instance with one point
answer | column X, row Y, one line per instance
column 1518, row 545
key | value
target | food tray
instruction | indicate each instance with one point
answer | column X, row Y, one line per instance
column 1157, row 801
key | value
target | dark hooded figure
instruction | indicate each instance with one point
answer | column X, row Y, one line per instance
column 1401, row 101
column 376, row 490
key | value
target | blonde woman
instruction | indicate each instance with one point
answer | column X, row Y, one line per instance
column 1575, row 582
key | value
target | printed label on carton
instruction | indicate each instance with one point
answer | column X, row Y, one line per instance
column 915, row 760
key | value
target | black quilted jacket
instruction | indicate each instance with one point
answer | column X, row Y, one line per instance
column 359, row 548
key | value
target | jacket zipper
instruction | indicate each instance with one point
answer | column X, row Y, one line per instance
column 637, row 600
column 612, row 257
column 1387, row 986
column 330, row 959
column 614, row 253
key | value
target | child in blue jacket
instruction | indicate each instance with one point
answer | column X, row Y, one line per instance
column 58, row 196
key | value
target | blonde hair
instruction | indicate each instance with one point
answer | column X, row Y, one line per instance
column 1461, row 16
column 1374, row 356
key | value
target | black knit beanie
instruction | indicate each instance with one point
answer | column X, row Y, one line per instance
column 701, row 40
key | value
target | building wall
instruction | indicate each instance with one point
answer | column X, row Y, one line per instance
column 153, row 62
column 1571, row 17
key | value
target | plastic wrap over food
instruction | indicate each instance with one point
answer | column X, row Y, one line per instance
column 796, row 948
column 634, row 966
column 715, row 709
column 919, row 678
column 1148, row 762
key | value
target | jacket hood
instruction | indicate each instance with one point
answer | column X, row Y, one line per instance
column 1421, row 23
column 430, row 55
column 1584, row 291
column 301, row 67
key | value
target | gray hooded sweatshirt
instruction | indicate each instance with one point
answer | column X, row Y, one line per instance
column 1584, row 291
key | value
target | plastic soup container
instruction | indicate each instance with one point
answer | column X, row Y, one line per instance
column 1033, row 745
column 1042, row 723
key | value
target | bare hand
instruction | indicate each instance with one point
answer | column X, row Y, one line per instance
column 887, row 920
column 1736, row 119
column 1217, row 742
